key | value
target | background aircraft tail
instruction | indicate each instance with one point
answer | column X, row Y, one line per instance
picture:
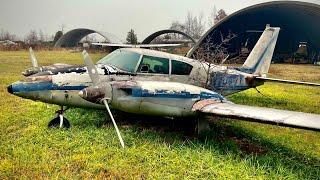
column 259, row 60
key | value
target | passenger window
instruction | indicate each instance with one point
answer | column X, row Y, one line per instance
column 150, row 64
column 180, row 68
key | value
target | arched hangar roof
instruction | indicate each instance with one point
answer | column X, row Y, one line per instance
column 299, row 22
column 151, row 37
column 71, row 38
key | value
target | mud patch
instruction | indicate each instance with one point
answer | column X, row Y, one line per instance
column 248, row 147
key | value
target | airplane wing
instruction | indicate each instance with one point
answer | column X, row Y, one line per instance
column 286, row 81
column 136, row 45
column 259, row 114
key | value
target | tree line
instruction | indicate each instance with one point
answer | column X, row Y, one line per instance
column 32, row 37
column 193, row 25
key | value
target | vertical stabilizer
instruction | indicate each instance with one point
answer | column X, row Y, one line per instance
column 259, row 60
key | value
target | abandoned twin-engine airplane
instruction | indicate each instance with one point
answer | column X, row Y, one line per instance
column 155, row 83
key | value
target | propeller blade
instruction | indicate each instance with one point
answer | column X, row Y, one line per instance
column 92, row 70
column 33, row 58
column 114, row 122
column 94, row 75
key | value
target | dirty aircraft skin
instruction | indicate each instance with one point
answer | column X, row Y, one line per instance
column 35, row 70
column 59, row 83
column 173, row 99
column 155, row 83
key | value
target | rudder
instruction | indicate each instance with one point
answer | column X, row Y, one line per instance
column 259, row 60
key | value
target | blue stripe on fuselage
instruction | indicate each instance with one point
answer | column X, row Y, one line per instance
column 138, row 92
column 41, row 86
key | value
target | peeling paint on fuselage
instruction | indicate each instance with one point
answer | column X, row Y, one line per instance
column 169, row 99
column 62, row 88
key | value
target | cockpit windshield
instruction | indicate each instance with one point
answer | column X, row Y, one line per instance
column 122, row 59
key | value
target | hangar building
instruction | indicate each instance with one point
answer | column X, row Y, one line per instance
column 299, row 35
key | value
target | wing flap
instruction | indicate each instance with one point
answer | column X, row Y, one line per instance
column 260, row 114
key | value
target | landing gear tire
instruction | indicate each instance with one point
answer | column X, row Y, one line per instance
column 59, row 121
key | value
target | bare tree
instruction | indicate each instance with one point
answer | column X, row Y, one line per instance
column 176, row 25
column 194, row 25
column 41, row 36
column 32, row 38
column 212, row 16
column 210, row 52
column 220, row 15
column 5, row 35
column 62, row 26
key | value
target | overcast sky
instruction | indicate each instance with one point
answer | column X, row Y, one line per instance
column 114, row 16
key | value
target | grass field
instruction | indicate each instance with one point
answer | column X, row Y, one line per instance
column 90, row 149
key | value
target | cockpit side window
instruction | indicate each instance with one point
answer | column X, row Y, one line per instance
column 180, row 68
column 156, row 65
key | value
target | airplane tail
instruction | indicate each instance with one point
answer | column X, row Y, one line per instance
column 259, row 60
column 256, row 68
column 33, row 58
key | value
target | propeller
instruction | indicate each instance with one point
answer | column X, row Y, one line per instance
column 35, row 68
column 105, row 102
column 97, row 86
column 33, row 58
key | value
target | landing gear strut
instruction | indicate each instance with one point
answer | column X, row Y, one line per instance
column 60, row 121
column 202, row 125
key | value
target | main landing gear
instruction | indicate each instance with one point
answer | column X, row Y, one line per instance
column 202, row 125
column 60, row 121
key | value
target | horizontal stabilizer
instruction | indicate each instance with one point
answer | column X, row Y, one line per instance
column 260, row 114
column 286, row 81
column 136, row 45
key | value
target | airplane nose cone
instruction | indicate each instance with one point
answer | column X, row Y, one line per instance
column 10, row 90
column 92, row 94
column 81, row 94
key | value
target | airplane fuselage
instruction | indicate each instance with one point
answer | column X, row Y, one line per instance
column 62, row 88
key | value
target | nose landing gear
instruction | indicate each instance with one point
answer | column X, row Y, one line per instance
column 60, row 121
